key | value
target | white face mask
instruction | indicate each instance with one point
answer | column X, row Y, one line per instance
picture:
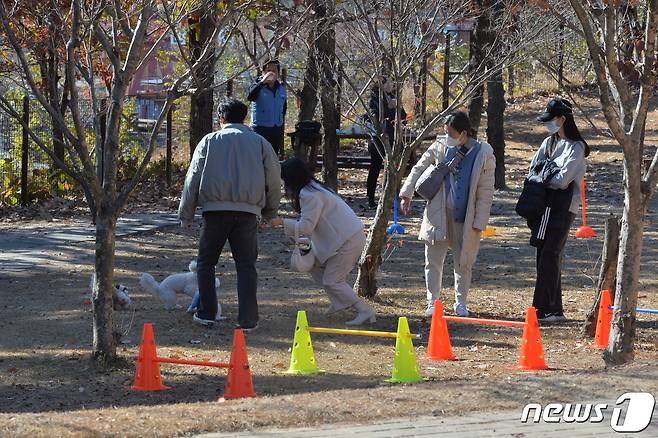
column 552, row 126
column 452, row 142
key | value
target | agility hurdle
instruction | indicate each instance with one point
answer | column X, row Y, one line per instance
column 531, row 355
column 147, row 372
column 638, row 310
column 302, row 358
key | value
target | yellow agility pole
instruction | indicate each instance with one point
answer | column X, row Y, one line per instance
column 370, row 333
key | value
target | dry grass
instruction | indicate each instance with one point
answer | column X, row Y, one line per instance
column 49, row 386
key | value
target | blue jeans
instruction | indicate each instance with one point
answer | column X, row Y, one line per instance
column 240, row 229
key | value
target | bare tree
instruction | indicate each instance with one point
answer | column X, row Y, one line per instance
column 626, row 83
column 104, row 43
column 392, row 38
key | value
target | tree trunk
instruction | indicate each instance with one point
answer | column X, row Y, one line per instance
column 495, row 124
column 475, row 106
column 326, row 45
column 622, row 331
column 104, row 347
column 308, row 97
column 371, row 259
column 607, row 274
column 480, row 38
column 201, row 102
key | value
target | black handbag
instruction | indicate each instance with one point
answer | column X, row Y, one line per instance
column 532, row 201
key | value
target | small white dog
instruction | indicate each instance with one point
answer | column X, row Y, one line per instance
column 120, row 298
column 182, row 283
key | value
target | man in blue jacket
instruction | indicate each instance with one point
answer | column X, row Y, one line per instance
column 268, row 105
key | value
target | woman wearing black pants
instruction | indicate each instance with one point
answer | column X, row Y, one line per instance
column 564, row 151
column 375, row 146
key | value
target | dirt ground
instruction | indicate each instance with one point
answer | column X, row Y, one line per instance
column 50, row 387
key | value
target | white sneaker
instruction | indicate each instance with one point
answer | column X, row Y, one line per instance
column 429, row 311
column 460, row 309
column 363, row 317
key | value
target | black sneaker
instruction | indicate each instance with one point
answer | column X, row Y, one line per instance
column 247, row 328
column 551, row 317
column 202, row 321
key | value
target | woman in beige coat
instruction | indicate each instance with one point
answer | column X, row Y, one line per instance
column 337, row 237
column 459, row 211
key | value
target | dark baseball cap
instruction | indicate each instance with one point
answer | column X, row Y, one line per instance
column 556, row 107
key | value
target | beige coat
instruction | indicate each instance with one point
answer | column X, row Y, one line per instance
column 480, row 197
column 326, row 218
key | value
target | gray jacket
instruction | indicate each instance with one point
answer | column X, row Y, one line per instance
column 233, row 169
column 569, row 156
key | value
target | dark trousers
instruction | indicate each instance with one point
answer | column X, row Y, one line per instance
column 377, row 154
column 273, row 134
column 548, row 288
column 239, row 228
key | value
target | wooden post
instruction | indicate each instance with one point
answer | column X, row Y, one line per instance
column 25, row 196
column 446, row 73
column 169, row 138
column 607, row 274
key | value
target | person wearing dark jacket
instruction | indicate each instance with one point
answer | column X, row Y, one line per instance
column 385, row 90
column 268, row 105
column 563, row 156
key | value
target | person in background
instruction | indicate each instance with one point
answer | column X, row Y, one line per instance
column 565, row 150
column 268, row 105
column 385, row 88
column 236, row 178
column 337, row 237
column 459, row 211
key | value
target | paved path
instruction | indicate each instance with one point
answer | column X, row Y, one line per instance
column 497, row 424
column 22, row 249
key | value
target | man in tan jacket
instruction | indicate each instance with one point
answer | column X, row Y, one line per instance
column 459, row 211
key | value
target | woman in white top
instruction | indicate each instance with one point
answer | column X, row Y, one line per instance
column 567, row 149
column 337, row 236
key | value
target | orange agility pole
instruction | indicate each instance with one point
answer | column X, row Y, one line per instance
column 603, row 321
column 485, row 321
column 584, row 231
column 201, row 363
column 147, row 374
column 531, row 356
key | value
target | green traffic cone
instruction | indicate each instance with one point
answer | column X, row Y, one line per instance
column 405, row 368
column 302, row 359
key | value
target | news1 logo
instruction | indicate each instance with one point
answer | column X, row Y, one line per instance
column 638, row 412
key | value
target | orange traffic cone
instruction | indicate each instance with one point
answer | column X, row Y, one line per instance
column 438, row 346
column 531, row 356
column 238, row 382
column 603, row 321
column 147, row 373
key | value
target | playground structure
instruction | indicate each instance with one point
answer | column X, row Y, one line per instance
column 405, row 367
column 147, row 373
column 531, row 355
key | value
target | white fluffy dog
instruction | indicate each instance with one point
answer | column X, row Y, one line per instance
column 182, row 283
